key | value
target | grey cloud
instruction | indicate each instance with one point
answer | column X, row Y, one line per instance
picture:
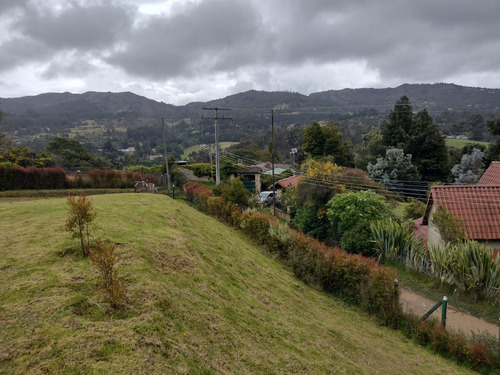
column 399, row 39
column 6, row 5
column 203, row 38
column 70, row 67
column 19, row 51
column 78, row 27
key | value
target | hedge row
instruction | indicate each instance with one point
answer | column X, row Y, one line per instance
column 18, row 178
column 354, row 278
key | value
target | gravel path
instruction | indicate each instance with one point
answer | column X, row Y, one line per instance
column 455, row 319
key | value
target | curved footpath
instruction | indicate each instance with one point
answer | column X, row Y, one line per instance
column 456, row 320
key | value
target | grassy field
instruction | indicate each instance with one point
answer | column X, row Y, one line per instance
column 460, row 143
column 201, row 300
column 197, row 148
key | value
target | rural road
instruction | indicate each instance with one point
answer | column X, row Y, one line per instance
column 456, row 320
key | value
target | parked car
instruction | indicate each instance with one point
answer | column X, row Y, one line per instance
column 265, row 198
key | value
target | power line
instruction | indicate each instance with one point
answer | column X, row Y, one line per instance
column 216, row 118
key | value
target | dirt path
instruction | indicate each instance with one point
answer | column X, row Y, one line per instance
column 455, row 319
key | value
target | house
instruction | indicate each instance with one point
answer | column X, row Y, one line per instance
column 128, row 149
column 285, row 183
column 251, row 175
column 477, row 205
column 492, row 175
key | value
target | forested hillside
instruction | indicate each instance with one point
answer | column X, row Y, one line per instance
column 120, row 120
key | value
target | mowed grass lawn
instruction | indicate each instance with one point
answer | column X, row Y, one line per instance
column 202, row 299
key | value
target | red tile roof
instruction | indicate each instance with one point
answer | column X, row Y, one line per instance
column 477, row 205
column 492, row 175
column 291, row 181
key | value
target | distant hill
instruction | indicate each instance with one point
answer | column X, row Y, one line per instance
column 40, row 118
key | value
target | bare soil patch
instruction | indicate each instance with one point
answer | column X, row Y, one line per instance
column 456, row 319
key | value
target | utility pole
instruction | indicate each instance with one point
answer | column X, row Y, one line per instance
column 211, row 165
column 272, row 161
column 165, row 150
column 216, row 118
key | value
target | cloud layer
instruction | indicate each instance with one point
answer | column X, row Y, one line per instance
column 179, row 51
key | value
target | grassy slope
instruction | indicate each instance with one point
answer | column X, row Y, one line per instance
column 202, row 300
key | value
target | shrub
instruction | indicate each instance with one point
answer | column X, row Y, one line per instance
column 234, row 191
column 450, row 227
column 414, row 209
column 469, row 266
column 80, row 217
column 459, row 348
column 16, row 178
column 201, row 169
column 382, row 295
column 395, row 242
column 440, row 339
column 424, row 332
column 355, row 211
column 357, row 240
column 105, row 178
column 256, row 225
column 313, row 222
column 103, row 257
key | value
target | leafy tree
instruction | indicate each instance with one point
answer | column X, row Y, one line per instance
column 395, row 166
column 316, row 187
column 350, row 215
column 414, row 209
column 419, row 136
column 70, row 154
column 493, row 152
column 80, row 216
column 312, row 222
column 314, row 140
column 326, row 140
column 450, row 227
column 428, row 148
column 470, row 169
column 371, row 149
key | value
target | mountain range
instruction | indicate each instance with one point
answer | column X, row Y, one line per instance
column 47, row 115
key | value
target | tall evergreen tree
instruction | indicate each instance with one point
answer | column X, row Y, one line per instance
column 395, row 131
column 428, row 148
column 419, row 136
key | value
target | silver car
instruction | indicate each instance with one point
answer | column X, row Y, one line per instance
column 265, row 198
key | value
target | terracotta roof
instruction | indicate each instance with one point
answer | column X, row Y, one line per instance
column 492, row 175
column 291, row 181
column 477, row 205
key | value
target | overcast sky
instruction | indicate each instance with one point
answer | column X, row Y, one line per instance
column 179, row 51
